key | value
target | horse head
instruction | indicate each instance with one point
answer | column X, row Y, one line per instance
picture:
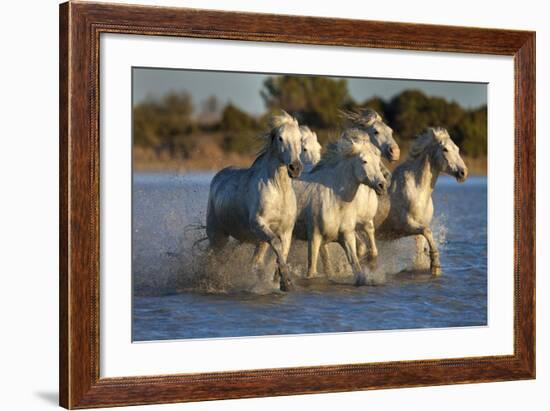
column 366, row 162
column 286, row 142
column 380, row 134
column 311, row 149
column 445, row 154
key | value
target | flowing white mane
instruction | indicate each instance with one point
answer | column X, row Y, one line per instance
column 276, row 122
column 358, row 135
column 307, row 134
column 350, row 144
column 363, row 117
column 281, row 119
column 429, row 137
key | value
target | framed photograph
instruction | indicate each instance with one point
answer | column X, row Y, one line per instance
column 260, row 205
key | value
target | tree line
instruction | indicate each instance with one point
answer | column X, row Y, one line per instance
column 172, row 123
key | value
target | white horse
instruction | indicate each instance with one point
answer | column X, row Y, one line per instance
column 367, row 205
column 371, row 128
column 310, row 156
column 258, row 205
column 311, row 149
column 407, row 209
column 327, row 199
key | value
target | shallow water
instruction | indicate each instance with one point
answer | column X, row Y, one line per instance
column 181, row 292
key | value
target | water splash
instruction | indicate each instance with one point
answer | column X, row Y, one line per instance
column 170, row 254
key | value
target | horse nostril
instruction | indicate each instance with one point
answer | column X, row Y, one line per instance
column 394, row 152
column 461, row 173
column 295, row 167
column 381, row 186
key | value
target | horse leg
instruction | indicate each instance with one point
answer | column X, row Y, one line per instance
column 217, row 241
column 259, row 257
column 347, row 241
column 373, row 250
column 421, row 250
column 264, row 233
column 435, row 264
column 361, row 246
column 314, row 243
column 216, row 238
column 325, row 257
column 259, row 253
column 286, row 238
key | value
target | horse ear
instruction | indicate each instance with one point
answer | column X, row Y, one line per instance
column 356, row 146
column 439, row 134
column 288, row 117
column 370, row 116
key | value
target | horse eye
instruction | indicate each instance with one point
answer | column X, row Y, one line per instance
column 280, row 139
column 376, row 132
column 445, row 150
column 305, row 149
column 364, row 161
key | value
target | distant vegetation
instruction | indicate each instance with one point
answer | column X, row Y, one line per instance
column 169, row 132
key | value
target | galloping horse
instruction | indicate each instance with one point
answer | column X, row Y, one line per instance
column 258, row 205
column 310, row 156
column 407, row 209
column 327, row 199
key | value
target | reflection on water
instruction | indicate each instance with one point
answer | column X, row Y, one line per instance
column 182, row 292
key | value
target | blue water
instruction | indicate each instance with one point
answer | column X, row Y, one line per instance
column 180, row 293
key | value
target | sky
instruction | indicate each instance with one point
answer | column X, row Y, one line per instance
column 243, row 89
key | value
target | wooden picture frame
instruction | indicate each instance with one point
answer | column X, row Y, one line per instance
column 80, row 27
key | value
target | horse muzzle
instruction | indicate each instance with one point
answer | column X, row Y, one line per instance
column 461, row 175
column 295, row 169
column 379, row 187
column 393, row 152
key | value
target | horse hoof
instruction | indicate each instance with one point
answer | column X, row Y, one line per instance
column 436, row 270
column 360, row 281
column 286, row 285
column 373, row 264
column 372, row 257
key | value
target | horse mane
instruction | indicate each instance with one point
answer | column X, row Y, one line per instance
column 281, row 119
column 306, row 132
column 356, row 134
column 361, row 117
column 276, row 122
column 349, row 144
column 427, row 139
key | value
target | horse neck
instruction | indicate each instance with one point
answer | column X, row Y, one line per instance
column 274, row 169
column 425, row 172
column 339, row 177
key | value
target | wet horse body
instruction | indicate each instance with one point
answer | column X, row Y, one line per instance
column 258, row 205
column 327, row 200
column 407, row 208
column 309, row 156
column 367, row 125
